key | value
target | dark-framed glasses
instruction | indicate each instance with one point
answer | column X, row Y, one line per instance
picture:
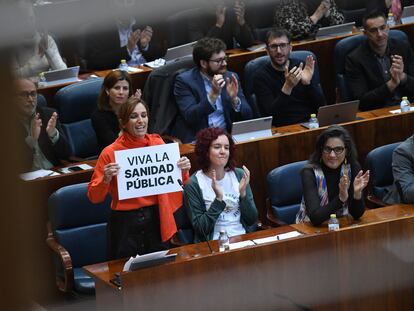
column 220, row 61
column 275, row 46
column 27, row 94
column 337, row 150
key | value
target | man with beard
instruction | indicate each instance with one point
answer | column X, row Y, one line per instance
column 286, row 88
column 380, row 71
column 209, row 95
column 45, row 141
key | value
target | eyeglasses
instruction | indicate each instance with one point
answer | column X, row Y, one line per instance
column 220, row 61
column 27, row 94
column 384, row 28
column 275, row 46
column 337, row 150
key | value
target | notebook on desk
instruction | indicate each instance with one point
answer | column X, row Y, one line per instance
column 252, row 129
column 60, row 76
column 337, row 113
column 407, row 15
column 336, row 30
column 180, row 51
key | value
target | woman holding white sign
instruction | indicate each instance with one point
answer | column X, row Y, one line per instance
column 218, row 196
column 137, row 225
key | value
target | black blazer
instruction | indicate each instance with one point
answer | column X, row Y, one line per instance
column 365, row 80
column 103, row 49
column 54, row 153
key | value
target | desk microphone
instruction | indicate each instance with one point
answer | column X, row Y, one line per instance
column 201, row 228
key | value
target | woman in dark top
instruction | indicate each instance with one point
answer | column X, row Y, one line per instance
column 116, row 89
column 333, row 180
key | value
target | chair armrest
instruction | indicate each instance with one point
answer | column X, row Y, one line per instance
column 374, row 202
column 73, row 159
column 66, row 284
column 273, row 221
column 260, row 226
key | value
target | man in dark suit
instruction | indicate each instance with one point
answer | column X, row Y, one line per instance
column 122, row 38
column 45, row 141
column 381, row 70
column 209, row 95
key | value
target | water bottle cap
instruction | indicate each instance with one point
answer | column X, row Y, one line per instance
column 222, row 231
column 333, row 215
column 390, row 14
column 405, row 98
column 123, row 61
column 313, row 115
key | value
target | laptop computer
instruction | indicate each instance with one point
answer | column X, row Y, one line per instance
column 60, row 76
column 252, row 129
column 336, row 30
column 407, row 15
column 337, row 113
column 179, row 51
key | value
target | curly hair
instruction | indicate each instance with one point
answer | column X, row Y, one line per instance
column 204, row 139
column 335, row 131
column 206, row 47
column 110, row 80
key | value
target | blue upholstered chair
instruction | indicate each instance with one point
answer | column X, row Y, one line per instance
column 284, row 189
column 251, row 69
column 185, row 231
column 379, row 162
column 342, row 49
column 41, row 100
column 77, row 235
column 75, row 104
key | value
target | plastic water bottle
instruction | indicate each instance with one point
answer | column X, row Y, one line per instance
column 405, row 104
column 333, row 224
column 390, row 20
column 123, row 65
column 313, row 121
column 223, row 241
column 42, row 80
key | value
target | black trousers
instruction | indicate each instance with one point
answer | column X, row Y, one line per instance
column 134, row 232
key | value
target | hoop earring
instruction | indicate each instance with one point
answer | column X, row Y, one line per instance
column 345, row 162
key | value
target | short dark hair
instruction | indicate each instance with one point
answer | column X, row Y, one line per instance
column 335, row 131
column 370, row 15
column 126, row 109
column 204, row 139
column 110, row 80
column 206, row 47
column 277, row 33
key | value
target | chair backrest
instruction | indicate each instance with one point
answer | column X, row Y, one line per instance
column 260, row 15
column 379, row 162
column 77, row 101
column 159, row 95
column 253, row 66
column 79, row 225
column 185, row 231
column 75, row 104
column 41, row 100
column 284, row 188
column 342, row 49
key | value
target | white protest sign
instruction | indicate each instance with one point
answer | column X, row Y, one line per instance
column 148, row 171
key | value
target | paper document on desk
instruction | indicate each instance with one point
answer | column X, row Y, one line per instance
column 241, row 244
column 37, row 174
column 278, row 237
column 143, row 258
column 397, row 111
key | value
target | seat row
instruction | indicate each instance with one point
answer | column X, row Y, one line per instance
column 77, row 228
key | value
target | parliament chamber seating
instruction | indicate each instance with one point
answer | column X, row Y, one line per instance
column 342, row 49
column 75, row 104
column 379, row 162
column 77, row 236
column 284, row 189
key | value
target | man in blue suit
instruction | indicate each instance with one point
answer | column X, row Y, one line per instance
column 208, row 95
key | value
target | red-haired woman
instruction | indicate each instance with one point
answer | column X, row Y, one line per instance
column 218, row 196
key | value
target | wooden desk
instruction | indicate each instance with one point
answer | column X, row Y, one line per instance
column 369, row 266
